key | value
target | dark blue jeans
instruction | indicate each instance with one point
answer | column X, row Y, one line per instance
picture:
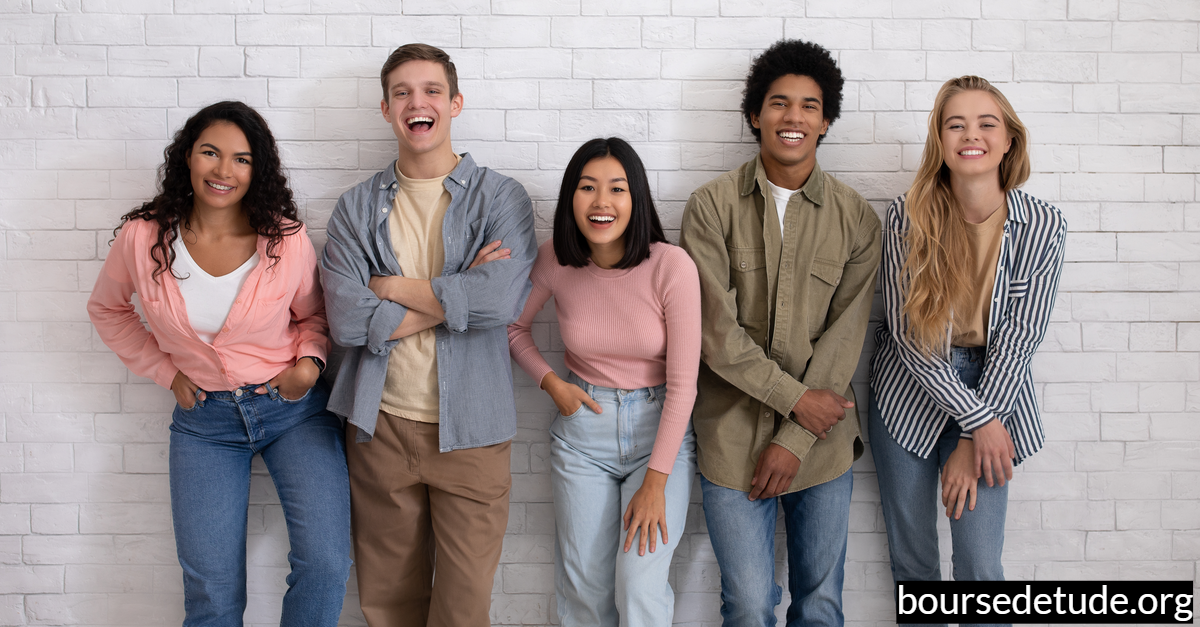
column 817, row 521
column 304, row 448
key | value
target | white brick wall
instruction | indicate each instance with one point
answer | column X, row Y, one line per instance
column 90, row 91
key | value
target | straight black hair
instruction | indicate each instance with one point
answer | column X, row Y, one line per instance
column 570, row 246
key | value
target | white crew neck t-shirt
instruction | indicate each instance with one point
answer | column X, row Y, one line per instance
column 781, row 201
column 208, row 298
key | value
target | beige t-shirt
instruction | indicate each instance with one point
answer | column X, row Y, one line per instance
column 985, row 239
column 415, row 226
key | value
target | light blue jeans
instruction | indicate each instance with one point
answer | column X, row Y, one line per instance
column 598, row 462
column 304, row 448
column 911, row 496
column 817, row 521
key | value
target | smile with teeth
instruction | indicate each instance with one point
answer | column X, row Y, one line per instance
column 419, row 122
column 602, row 219
column 794, row 136
column 970, row 152
column 218, row 186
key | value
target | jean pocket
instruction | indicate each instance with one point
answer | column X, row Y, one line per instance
column 575, row 414
column 196, row 403
column 281, row 398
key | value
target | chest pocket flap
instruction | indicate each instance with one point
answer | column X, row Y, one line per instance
column 828, row 271
column 748, row 278
column 747, row 259
column 1018, row 288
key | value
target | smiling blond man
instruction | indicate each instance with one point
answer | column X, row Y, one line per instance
column 427, row 263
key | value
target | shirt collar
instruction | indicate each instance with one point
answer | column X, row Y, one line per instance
column 814, row 188
column 459, row 176
column 1017, row 212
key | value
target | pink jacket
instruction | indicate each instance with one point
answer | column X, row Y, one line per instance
column 278, row 317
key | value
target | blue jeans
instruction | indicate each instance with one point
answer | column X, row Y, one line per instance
column 911, row 496
column 817, row 521
column 598, row 462
column 304, row 448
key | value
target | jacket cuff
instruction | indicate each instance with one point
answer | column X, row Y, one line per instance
column 318, row 348
column 453, row 297
column 794, row 438
column 972, row 421
column 786, row 393
column 387, row 317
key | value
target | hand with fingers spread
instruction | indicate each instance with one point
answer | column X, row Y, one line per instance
column 293, row 383
column 568, row 396
column 819, row 410
column 185, row 391
column 994, row 452
column 959, row 483
column 776, row 468
column 646, row 515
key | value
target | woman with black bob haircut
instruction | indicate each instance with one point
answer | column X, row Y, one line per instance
column 227, row 279
column 622, row 449
column 644, row 229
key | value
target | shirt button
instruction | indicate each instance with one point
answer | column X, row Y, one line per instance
column 222, row 371
column 742, row 265
column 766, row 414
column 383, row 210
column 238, row 301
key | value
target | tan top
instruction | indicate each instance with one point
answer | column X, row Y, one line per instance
column 415, row 226
column 984, row 239
column 781, row 312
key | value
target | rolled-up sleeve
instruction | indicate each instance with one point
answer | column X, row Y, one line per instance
column 356, row 316
column 118, row 324
column 492, row 294
column 308, row 305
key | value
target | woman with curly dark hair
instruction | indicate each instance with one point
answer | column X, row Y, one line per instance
column 227, row 279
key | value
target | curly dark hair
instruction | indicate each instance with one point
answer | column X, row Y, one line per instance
column 792, row 56
column 268, row 204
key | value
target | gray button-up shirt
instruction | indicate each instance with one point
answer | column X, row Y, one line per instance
column 474, row 371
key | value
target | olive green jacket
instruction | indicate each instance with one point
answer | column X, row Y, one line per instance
column 782, row 313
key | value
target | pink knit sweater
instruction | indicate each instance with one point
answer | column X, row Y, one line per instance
column 626, row 329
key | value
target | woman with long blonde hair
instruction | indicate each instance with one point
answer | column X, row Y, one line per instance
column 969, row 273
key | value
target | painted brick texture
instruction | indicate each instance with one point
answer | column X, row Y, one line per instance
column 91, row 90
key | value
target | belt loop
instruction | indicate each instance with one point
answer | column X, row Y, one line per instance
column 653, row 396
column 592, row 391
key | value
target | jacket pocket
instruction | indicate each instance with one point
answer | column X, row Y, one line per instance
column 826, row 275
column 748, row 278
column 1018, row 288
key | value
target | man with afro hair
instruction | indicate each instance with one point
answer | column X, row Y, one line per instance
column 787, row 256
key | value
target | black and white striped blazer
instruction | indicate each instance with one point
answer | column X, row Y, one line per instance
column 917, row 394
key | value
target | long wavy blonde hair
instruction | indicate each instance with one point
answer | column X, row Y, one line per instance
column 935, row 276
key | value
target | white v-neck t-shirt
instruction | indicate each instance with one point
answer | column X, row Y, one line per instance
column 208, row 298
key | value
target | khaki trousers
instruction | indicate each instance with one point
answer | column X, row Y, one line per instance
column 414, row 510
